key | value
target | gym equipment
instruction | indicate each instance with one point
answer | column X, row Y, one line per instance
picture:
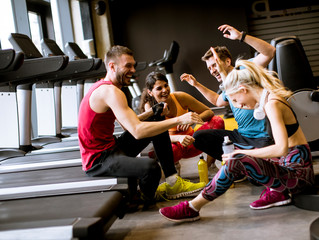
column 48, row 91
column 300, row 80
column 289, row 52
column 75, row 52
column 10, row 60
column 166, row 63
column 63, row 206
column 51, row 182
column 76, row 216
column 13, row 83
column 295, row 72
column 314, row 230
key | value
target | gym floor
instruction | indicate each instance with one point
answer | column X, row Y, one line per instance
column 228, row 217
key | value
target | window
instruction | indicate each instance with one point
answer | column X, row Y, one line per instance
column 35, row 28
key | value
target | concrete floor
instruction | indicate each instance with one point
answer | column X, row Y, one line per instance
column 228, row 217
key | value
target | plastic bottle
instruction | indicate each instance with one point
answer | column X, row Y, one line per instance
column 202, row 169
column 228, row 147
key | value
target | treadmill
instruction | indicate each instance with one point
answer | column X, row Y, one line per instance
column 48, row 90
column 59, row 204
column 12, row 81
column 79, row 207
column 46, row 158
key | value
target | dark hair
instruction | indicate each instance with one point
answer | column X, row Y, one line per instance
column 222, row 51
column 115, row 52
column 150, row 81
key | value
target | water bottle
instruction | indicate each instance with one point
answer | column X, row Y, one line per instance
column 228, row 146
column 202, row 169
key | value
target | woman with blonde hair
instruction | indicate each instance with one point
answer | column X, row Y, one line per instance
column 284, row 167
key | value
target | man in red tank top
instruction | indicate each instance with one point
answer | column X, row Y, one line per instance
column 105, row 155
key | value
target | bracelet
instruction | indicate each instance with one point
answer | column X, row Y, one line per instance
column 243, row 35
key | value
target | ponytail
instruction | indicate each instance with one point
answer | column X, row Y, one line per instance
column 252, row 75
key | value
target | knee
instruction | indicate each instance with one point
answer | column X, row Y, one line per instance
column 153, row 167
column 177, row 152
column 199, row 137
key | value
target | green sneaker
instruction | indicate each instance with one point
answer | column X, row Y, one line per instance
column 183, row 188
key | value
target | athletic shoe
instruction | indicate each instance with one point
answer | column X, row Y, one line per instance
column 160, row 193
column 270, row 199
column 180, row 213
column 183, row 188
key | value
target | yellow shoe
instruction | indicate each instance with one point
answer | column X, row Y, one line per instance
column 183, row 188
column 160, row 193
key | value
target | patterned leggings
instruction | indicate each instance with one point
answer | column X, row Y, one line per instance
column 293, row 172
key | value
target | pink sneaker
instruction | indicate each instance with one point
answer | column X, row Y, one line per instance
column 270, row 199
column 180, row 213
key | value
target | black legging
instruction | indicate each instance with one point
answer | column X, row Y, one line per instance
column 211, row 141
column 121, row 161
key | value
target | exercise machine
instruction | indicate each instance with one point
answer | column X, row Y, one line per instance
column 294, row 70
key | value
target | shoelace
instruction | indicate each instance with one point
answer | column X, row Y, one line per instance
column 159, row 196
column 182, row 210
column 264, row 194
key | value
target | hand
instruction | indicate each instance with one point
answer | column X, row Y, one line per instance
column 190, row 118
column 165, row 110
column 232, row 34
column 182, row 127
column 228, row 156
column 219, row 64
column 186, row 140
column 188, row 78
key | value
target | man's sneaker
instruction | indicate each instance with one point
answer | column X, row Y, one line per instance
column 270, row 199
column 183, row 188
column 160, row 193
column 180, row 213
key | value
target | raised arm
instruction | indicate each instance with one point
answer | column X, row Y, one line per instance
column 266, row 51
column 210, row 95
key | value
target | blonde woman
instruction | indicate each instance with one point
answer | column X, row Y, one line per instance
column 284, row 167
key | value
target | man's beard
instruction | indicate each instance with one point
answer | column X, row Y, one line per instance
column 121, row 79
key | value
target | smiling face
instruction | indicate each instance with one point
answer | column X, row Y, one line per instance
column 160, row 91
column 212, row 68
column 124, row 69
column 244, row 98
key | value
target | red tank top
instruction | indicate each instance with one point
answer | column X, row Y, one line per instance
column 95, row 130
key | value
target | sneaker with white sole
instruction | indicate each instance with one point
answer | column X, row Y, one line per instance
column 270, row 199
column 180, row 213
column 183, row 188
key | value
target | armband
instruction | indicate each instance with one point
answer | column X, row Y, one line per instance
column 243, row 35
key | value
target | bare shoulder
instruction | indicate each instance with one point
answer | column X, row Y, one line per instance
column 182, row 96
column 108, row 91
column 105, row 97
column 274, row 104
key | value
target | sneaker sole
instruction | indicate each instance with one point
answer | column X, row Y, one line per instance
column 183, row 194
column 181, row 220
column 277, row 204
column 241, row 180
